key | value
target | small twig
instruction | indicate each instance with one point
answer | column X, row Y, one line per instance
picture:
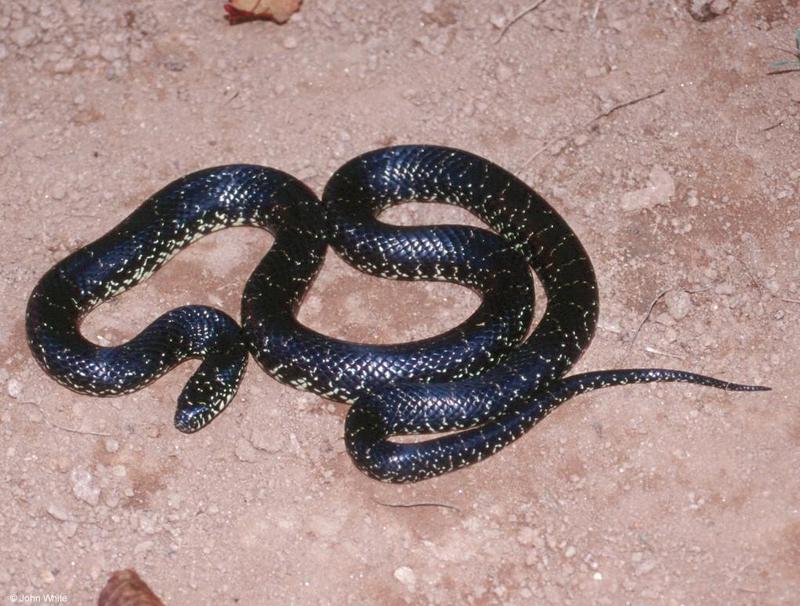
column 736, row 138
column 626, row 104
column 517, row 17
column 790, row 51
column 653, row 303
column 551, row 28
column 540, row 150
column 62, row 427
column 785, row 70
column 658, row 352
column 769, row 128
column 412, row 505
column 599, row 116
column 783, row 67
column 596, row 10
column 755, row 281
column 760, row 287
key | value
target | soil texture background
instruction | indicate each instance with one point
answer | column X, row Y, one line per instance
column 686, row 199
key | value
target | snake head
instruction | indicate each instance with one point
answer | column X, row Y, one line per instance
column 189, row 419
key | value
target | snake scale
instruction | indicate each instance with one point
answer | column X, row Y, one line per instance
column 482, row 384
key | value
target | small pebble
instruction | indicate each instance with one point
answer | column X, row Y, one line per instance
column 329, row 7
column 14, row 388
column 720, row 7
column 59, row 191
column 659, row 191
column 174, row 500
column 111, row 445
column 24, row 36
column 143, row 547
column 705, row 10
column 679, row 303
column 406, row 576
column 503, row 72
column 58, row 511
column 725, row 288
column 261, row 440
column 245, row 452
column 73, row 8
column 557, row 147
column 91, row 50
column 773, row 287
column 147, row 523
column 110, row 53
column 645, row 567
column 526, row 536
column 570, row 551
column 290, row 42
column 64, row 66
column 497, row 20
column 83, row 486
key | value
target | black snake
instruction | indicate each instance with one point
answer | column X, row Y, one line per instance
column 484, row 382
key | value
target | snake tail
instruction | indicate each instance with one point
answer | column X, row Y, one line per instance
column 368, row 433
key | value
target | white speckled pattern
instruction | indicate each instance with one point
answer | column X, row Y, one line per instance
column 482, row 377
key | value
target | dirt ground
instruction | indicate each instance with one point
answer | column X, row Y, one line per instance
column 664, row 494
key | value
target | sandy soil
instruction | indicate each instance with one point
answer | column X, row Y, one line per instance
column 641, row 495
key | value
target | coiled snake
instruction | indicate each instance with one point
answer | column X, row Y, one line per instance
column 483, row 381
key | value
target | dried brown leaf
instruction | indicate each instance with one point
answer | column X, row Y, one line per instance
column 248, row 10
column 125, row 588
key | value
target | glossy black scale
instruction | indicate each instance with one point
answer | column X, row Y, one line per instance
column 171, row 219
column 495, row 407
column 481, row 380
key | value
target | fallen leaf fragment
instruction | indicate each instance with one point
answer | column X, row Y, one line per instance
column 125, row 588
column 250, row 10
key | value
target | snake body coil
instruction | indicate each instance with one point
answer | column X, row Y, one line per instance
column 483, row 378
column 170, row 220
